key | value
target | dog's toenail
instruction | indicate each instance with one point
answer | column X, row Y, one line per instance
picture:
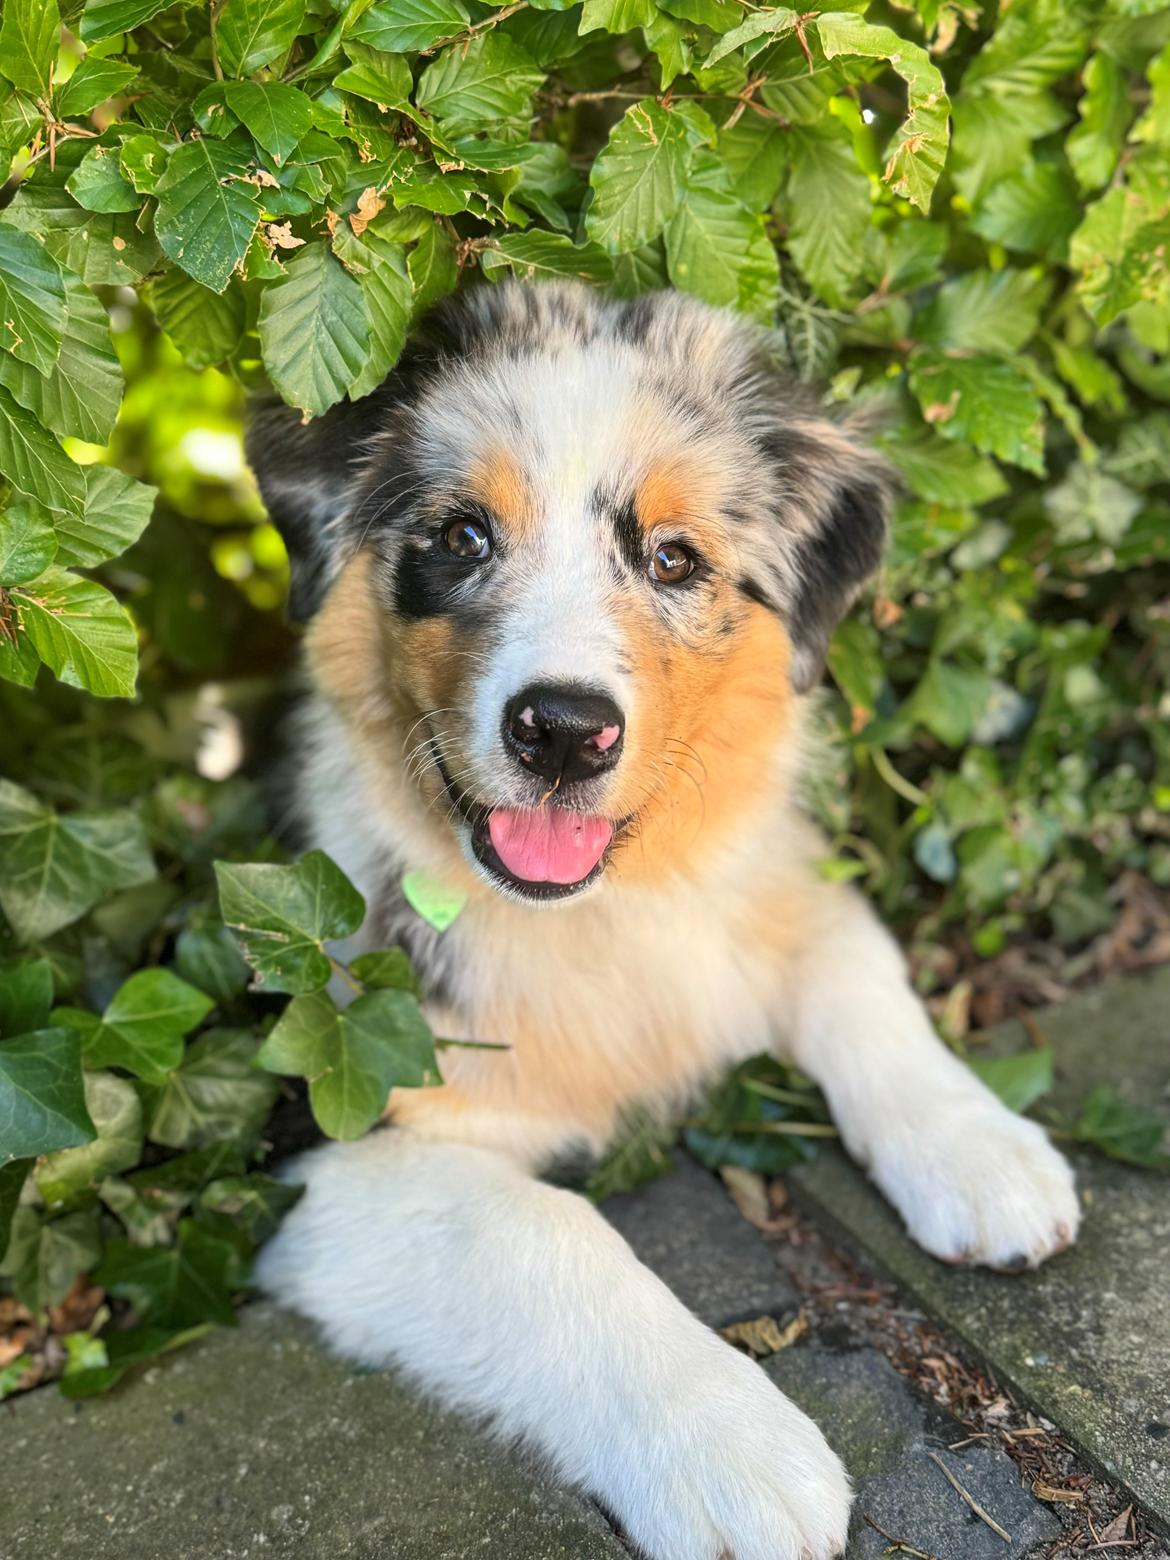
column 1015, row 1264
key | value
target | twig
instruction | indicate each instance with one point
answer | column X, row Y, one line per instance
column 897, row 1546
column 970, row 1499
column 212, row 19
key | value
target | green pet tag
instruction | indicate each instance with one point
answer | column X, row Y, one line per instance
column 437, row 902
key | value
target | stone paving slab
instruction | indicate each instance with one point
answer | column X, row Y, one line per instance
column 1086, row 1339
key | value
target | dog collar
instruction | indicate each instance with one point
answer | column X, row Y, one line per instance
column 433, row 899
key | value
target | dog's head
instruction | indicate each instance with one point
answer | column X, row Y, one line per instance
column 569, row 565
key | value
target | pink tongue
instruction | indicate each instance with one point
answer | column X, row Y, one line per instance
column 548, row 844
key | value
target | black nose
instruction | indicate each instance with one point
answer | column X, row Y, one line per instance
column 564, row 732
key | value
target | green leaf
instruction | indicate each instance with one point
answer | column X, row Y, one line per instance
column 97, row 183
column 1034, row 211
column 81, row 632
column 283, row 916
column 432, row 267
column 207, row 210
column 314, row 330
column 34, row 462
column 124, row 1351
column 173, row 1286
column 45, row 1256
column 1031, row 47
column 218, row 1095
column 94, row 81
column 32, row 301
column 42, row 1095
column 252, row 33
column 1019, row 1080
column 29, row 37
column 80, row 396
column 387, row 969
column 142, row 160
column 827, row 207
column 383, row 79
column 1095, row 145
column 352, row 1058
column 771, row 22
column 641, row 1151
column 12, row 1179
column 117, row 511
column 616, row 16
column 26, row 995
column 993, row 137
column 941, row 472
column 719, row 251
column 949, row 700
column 105, row 18
column 982, row 400
column 28, row 543
column 254, row 1204
column 538, row 256
column 984, row 311
column 638, row 178
column 116, row 1112
column 278, row 116
column 207, row 955
column 142, row 1029
column 205, row 326
column 755, row 155
column 100, row 247
column 406, row 26
column 379, row 265
column 53, row 868
column 1131, row 1133
column 916, row 155
column 483, row 85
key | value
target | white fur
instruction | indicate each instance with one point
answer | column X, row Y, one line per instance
column 516, row 1301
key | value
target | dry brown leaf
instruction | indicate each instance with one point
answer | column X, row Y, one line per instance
column 370, row 203
column 763, row 1335
column 749, row 1193
column 1118, row 1531
column 281, row 235
column 1054, row 1495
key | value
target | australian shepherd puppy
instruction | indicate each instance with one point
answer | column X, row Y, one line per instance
column 569, row 573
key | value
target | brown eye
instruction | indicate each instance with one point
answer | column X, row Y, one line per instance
column 670, row 564
column 467, row 539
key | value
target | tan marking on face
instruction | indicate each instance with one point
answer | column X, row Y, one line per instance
column 498, row 481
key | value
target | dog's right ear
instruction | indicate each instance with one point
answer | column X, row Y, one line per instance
column 307, row 473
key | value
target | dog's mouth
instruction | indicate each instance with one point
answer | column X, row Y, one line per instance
column 540, row 853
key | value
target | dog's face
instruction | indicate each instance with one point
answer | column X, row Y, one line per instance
column 579, row 554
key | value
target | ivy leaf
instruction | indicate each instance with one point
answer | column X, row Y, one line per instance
column 204, row 325
column 482, row 85
column 107, row 18
column 353, row 1057
column 53, row 868
column 282, row 917
column 28, row 543
column 30, row 34
column 1020, row 1080
column 143, row 1026
column 252, row 33
column 719, row 251
column 981, row 400
column 386, row 969
column 26, row 995
column 208, row 956
column 278, row 116
column 314, row 330
column 173, row 1286
column 32, row 301
column 13, row 1175
column 406, row 26
column 207, row 210
column 535, row 256
column 98, row 184
column 125, row 1350
column 1131, row 1133
column 918, row 151
column 116, row 1112
column 117, row 511
column 79, row 397
column 94, row 81
column 639, row 178
column 45, row 1256
column 42, row 1095
column 34, row 462
column 217, row 1095
column 81, row 632
column 379, row 266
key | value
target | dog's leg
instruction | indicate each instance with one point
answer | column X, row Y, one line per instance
column 973, row 1181
column 517, row 1301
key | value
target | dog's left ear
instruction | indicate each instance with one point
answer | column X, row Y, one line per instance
column 833, row 493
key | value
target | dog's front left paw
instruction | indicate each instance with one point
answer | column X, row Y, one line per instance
column 977, row 1184
column 729, row 1470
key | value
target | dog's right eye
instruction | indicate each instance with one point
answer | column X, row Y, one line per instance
column 467, row 539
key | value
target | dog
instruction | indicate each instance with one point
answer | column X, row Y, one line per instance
column 570, row 577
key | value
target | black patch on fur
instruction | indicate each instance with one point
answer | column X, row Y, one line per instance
column 636, row 319
column 627, row 533
column 839, row 556
column 754, row 591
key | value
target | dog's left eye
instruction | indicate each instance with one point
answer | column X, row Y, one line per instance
column 670, row 564
column 467, row 539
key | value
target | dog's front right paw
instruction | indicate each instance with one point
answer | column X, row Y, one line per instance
column 731, row 1470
